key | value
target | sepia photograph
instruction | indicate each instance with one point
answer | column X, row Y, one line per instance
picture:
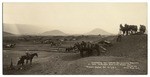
column 74, row 38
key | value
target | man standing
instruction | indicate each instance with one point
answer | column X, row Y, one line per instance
column 119, row 37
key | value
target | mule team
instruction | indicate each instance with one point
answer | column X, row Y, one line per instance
column 88, row 48
column 132, row 29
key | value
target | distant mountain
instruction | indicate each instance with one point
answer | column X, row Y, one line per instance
column 54, row 33
column 98, row 31
column 21, row 29
column 25, row 29
column 7, row 34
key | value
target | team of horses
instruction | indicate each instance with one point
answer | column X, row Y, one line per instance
column 89, row 49
column 10, row 45
column 132, row 29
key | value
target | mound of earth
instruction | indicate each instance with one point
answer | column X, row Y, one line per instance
column 134, row 46
column 131, row 49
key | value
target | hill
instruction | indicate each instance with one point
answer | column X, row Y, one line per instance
column 7, row 34
column 130, row 49
column 54, row 33
column 98, row 31
column 133, row 46
column 27, row 29
column 22, row 29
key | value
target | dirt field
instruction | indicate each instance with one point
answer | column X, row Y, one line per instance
column 118, row 59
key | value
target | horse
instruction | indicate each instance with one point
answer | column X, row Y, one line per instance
column 142, row 29
column 70, row 49
column 133, row 29
column 127, row 29
column 123, row 29
column 77, row 45
column 82, row 49
column 27, row 57
column 21, row 61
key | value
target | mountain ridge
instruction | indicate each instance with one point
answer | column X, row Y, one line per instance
column 54, row 33
column 7, row 34
column 98, row 31
column 25, row 29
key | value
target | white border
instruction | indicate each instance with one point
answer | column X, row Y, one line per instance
column 74, row 0
column 1, row 74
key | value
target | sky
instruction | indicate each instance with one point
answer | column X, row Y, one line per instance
column 75, row 18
